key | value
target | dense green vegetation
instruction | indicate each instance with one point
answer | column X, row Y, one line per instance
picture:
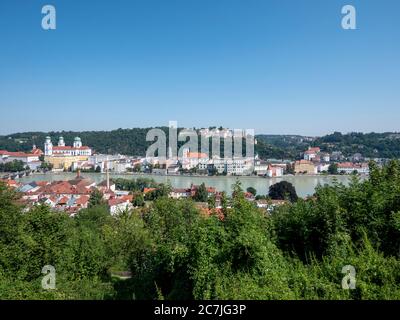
column 372, row 145
column 133, row 142
column 283, row 191
column 175, row 252
column 12, row 166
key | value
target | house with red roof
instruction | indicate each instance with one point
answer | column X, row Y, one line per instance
column 118, row 205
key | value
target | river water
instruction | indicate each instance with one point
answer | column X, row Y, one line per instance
column 305, row 185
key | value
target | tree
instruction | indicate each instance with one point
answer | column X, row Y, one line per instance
column 138, row 200
column 290, row 168
column 333, row 168
column 47, row 166
column 201, row 194
column 96, row 198
column 283, row 190
column 212, row 200
column 12, row 166
column 252, row 190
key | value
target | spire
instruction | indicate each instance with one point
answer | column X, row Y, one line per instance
column 108, row 175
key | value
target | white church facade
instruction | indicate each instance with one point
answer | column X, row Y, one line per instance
column 61, row 149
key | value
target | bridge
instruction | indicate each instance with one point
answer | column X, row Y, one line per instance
column 15, row 175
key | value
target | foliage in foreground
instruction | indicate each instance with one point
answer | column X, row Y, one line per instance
column 174, row 251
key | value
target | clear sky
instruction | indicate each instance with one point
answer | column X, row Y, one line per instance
column 277, row 66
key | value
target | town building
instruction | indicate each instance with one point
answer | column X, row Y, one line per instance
column 305, row 167
column 77, row 149
column 63, row 157
column 274, row 171
column 350, row 167
column 311, row 153
column 261, row 167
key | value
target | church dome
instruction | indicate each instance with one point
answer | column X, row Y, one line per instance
column 77, row 139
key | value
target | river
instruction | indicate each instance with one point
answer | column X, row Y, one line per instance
column 305, row 185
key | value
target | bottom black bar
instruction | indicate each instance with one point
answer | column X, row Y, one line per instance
column 199, row 309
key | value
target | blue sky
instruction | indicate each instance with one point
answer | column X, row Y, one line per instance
column 278, row 66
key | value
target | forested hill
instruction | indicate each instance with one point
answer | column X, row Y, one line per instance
column 381, row 145
column 372, row 145
column 123, row 141
column 133, row 142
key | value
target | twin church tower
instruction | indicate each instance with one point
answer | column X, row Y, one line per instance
column 61, row 149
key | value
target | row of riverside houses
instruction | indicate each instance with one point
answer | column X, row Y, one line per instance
column 314, row 161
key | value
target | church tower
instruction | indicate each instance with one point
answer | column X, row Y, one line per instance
column 61, row 142
column 48, row 147
column 77, row 142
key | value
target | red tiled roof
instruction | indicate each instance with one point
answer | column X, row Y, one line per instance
column 82, row 200
column 352, row 165
column 17, row 154
column 63, row 200
column 41, row 183
column 128, row 197
column 199, row 155
column 37, row 152
column 57, row 148
column 147, row 190
column 114, row 202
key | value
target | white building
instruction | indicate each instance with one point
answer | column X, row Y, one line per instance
column 349, row 167
column 311, row 153
column 323, row 167
column 61, row 149
column 261, row 167
column 235, row 166
column 191, row 160
column 274, row 171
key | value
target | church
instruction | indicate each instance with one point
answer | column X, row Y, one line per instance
column 61, row 149
column 64, row 157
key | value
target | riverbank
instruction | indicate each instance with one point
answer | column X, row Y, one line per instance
column 305, row 184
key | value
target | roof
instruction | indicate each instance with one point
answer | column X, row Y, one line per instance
column 128, row 197
column 37, row 151
column 146, row 190
column 57, row 148
column 41, row 183
column 17, row 154
column 63, row 200
column 201, row 155
column 82, row 200
column 352, row 165
column 117, row 201
column 314, row 149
